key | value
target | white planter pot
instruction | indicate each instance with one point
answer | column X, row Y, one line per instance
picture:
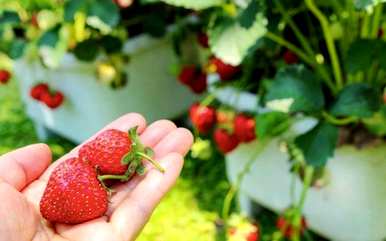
column 151, row 90
column 351, row 207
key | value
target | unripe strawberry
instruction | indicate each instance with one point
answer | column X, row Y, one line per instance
column 225, row 71
column 287, row 229
column 5, row 75
column 290, row 57
column 202, row 39
column 203, row 117
column 225, row 141
column 244, row 128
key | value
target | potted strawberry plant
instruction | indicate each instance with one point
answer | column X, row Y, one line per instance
column 298, row 88
column 80, row 64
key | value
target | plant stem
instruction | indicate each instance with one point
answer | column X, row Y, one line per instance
column 365, row 26
column 303, row 41
column 208, row 100
column 115, row 177
column 333, row 120
column 329, row 41
column 376, row 20
column 290, row 46
column 153, row 162
column 309, row 172
column 279, row 40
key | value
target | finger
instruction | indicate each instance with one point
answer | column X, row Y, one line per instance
column 136, row 209
column 179, row 140
column 36, row 189
column 150, row 137
column 24, row 165
column 123, row 123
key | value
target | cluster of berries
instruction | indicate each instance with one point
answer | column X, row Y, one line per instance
column 76, row 191
column 51, row 98
column 229, row 131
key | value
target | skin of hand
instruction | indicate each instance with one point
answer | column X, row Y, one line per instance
column 24, row 174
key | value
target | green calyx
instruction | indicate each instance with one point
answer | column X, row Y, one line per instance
column 133, row 159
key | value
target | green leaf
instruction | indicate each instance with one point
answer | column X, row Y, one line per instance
column 87, row 50
column 9, row 17
column 140, row 170
column 299, row 86
column 377, row 123
column 271, row 124
column 16, row 48
column 357, row 100
column 111, row 44
column 194, row 4
column 105, row 10
column 149, row 151
column 248, row 15
column 318, row 144
column 155, row 25
column 230, row 41
column 361, row 54
column 71, row 7
column 50, row 38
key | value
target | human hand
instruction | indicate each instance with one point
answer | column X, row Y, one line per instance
column 24, row 174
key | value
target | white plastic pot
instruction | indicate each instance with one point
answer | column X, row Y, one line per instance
column 151, row 90
column 351, row 207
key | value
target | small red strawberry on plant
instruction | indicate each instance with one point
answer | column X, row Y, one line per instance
column 290, row 57
column 199, row 84
column 37, row 90
column 52, row 99
column 202, row 39
column 34, row 20
column 203, row 117
column 225, row 71
column 73, row 194
column 244, row 128
column 225, row 141
column 5, row 75
column 287, row 229
column 192, row 77
column 187, row 74
column 117, row 154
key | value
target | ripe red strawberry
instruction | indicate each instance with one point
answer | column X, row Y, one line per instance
column 202, row 39
column 199, row 84
column 5, row 75
column 225, row 141
column 202, row 117
column 287, row 229
column 52, row 100
column 290, row 57
column 115, row 152
column 225, row 71
column 253, row 236
column 244, row 128
column 73, row 194
column 187, row 74
column 37, row 90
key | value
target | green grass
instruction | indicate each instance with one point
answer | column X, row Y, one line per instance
column 187, row 213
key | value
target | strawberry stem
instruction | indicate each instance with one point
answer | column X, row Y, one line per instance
column 152, row 161
column 116, row 177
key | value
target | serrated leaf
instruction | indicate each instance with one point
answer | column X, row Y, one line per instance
column 356, row 100
column 87, row 50
column 194, row 4
column 50, row 38
column 248, row 15
column 106, row 11
column 9, row 17
column 298, row 84
column 361, row 54
column 231, row 42
column 318, row 144
column 271, row 124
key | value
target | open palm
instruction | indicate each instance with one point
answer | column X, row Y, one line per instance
column 24, row 174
